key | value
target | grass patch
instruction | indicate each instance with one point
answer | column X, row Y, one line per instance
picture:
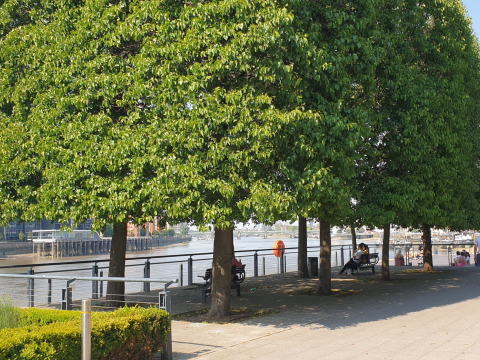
column 314, row 291
column 8, row 314
column 236, row 315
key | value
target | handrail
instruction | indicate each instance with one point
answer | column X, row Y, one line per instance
column 88, row 278
column 150, row 257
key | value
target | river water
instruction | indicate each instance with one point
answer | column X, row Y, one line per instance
column 167, row 267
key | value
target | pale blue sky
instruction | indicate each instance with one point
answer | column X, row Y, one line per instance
column 473, row 7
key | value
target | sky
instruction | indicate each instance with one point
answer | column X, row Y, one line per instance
column 473, row 8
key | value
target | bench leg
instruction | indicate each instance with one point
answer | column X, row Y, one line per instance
column 204, row 295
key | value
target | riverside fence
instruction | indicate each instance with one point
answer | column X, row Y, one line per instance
column 53, row 278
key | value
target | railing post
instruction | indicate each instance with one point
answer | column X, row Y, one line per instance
column 263, row 267
column 180, row 276
column 255, row 264
column 342, row 261
column 146, row 275
column 101, row 284
column 49, row 291
column 67, row 298
column 95, row 283
column 86, row 329
column 285, row 262
column 190, row 271
column 165, row 303
column 31, row 289
column 336, row 258
column 282, row 269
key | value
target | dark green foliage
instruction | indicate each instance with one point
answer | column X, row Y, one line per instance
column 128, row 333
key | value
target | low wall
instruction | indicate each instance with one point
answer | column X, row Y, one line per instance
column 168, row 240
column 14, row 248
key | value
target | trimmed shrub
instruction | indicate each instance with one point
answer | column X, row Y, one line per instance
column 128, row 333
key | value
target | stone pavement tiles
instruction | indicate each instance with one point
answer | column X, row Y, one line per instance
column 417, row 316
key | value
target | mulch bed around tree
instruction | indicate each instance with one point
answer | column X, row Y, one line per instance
column 415, row 271
column 314, row 291
column 236, row 315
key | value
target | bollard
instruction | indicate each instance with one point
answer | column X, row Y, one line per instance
column 282, row 268
column 341, row 256
column 49, row 291
column 263, row 267
column 95, row 283
column 86, row 330
column 165, row 303
column 180, row 277
column 336, row 258
column 146, row 275
column 31, row 289
column 255, row 264
column 101, row 284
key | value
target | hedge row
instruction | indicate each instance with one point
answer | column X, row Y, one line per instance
column 128, row 333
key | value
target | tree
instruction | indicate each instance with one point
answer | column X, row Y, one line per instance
column 21, row 236
column 78, row 116
column 143, row 232
column 171, row 232
column 317, row 151
column 108, row 230
column 156, row 233
column 425, row 124
column 184, row 229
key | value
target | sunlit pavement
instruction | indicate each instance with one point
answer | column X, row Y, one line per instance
column 417, row 316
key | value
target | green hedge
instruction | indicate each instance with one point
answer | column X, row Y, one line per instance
column 128, row 333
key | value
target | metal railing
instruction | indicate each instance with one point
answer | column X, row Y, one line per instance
column 186, row 267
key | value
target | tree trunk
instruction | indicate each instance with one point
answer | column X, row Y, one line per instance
column 325, row 275
column 222, row 268
column 427, row 249
column 233, row 247
column 116, row 290
column 302, row 248
column 386, row 253
column 354, row 238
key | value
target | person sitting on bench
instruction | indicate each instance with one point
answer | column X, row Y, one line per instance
column 353, row 263
column 237, row 264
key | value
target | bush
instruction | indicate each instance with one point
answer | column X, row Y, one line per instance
column 128, row 333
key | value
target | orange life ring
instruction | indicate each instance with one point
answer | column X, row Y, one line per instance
column 278, row 248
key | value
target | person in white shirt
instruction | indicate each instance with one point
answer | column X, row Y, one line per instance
column 354, row 261
column 476, row 250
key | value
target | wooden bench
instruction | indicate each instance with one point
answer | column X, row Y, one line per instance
column 368, row 261
column 238, row 278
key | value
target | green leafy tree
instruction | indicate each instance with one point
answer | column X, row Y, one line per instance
column 317, row 152
column 21, row 236
column 426, row 124
column 143, row 232
column 171, row 232
column 184, row 229
column 155, row 233
column 108, row 230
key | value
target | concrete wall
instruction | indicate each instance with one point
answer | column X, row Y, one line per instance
column 14, row 248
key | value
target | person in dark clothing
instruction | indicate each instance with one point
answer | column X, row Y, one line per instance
column 353, row 263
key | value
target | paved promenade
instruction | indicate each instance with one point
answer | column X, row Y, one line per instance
column 416, row 316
